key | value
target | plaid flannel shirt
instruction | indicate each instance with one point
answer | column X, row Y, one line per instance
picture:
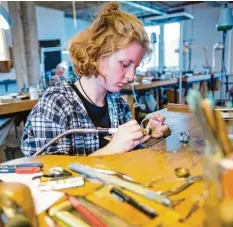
column 61, row 109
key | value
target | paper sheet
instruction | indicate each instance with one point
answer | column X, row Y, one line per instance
column 42, row 200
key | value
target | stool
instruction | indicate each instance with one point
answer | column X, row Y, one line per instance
column 10, row 152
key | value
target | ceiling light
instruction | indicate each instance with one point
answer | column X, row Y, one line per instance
column 5, row 20
column 170, row 18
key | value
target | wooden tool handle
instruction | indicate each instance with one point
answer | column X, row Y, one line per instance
column 223, row 134
column 209, row 114
column 218, row 126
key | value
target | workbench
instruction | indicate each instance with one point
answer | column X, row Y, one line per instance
column 155, row 86
column 144, row 165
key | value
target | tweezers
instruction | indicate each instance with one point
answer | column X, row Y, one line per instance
column 188, row 182
column 116, row 173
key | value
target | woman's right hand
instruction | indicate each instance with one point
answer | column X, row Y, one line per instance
column 127, row 137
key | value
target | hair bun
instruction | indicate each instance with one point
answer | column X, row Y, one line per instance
column 110, row 7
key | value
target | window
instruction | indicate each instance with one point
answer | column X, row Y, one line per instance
column 154, row 59
column 171, row 42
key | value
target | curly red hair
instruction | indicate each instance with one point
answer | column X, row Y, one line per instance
column 112, row 30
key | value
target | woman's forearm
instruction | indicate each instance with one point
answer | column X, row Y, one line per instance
column 103, row 151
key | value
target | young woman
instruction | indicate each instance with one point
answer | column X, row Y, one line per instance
column 105, row 57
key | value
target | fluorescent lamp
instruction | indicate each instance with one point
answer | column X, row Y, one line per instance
column 5, row 20
column 170, row 18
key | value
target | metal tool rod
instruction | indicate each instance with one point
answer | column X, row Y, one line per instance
column 147, row 131
column 149, row 194
column 80, row 131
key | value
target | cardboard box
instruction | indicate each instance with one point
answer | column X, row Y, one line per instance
column 5, row 66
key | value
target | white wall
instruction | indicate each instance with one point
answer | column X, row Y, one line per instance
column 71, row 31
column 50, row 24
column 205, row 33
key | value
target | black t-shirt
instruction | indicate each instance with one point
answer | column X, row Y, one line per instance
column 98, row 115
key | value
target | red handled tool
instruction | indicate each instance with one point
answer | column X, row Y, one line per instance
column 85, row 212
column 27, row 170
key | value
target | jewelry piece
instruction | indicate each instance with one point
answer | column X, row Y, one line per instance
column 184, row 137
column 86, row 93
column 147, row 131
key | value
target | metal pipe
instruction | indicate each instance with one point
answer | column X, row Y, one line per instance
column 147, row 131
column 229, row 52
column 213, row 60
column 181, row 61
column 74, row 14
column 216, row 46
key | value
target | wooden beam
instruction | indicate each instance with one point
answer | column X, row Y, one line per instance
column 31, row 41
column 25, row 43
column 18, row 44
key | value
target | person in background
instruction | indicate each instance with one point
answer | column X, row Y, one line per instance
column 105, row 56
column 58, row 74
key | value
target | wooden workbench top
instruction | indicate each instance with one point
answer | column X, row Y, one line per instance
column 145, row 166
column 151, row 85
column 15, row 107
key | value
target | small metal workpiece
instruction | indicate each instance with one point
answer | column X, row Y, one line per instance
column 55, row 173
column 182, row 172
column 147, row 131
column 184, row 137
column 56, row 170
column 188, row 182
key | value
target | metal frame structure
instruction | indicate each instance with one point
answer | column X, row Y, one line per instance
column 42, row 57
column 181, row 60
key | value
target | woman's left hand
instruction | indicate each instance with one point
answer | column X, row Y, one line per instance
column 156, row 123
